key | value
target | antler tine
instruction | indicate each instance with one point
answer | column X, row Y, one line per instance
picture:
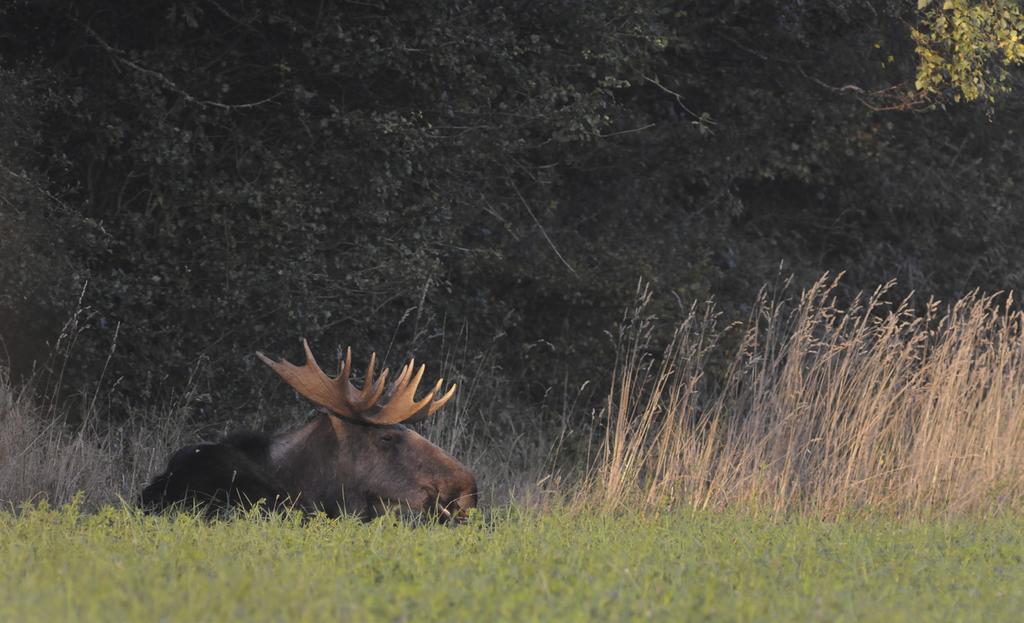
column 406, row 371
column 409, row 390
column 347, row 368
column 368, row 396
column 311, row 382
column 399, row 382
column 310, row 359
column 378, row 390
column 440, row 402
column 437, row 386
column 368, row 382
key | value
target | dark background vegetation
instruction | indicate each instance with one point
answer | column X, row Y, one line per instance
column 487, row 179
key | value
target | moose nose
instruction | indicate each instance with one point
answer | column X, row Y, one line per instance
column 463, row 499
column 452, row 503
column 449, row 511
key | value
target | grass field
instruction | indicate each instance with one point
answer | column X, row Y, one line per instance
column 515, row 566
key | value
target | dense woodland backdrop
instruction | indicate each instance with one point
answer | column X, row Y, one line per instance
column 182, row 183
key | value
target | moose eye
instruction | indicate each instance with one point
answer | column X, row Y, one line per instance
column 388, row 439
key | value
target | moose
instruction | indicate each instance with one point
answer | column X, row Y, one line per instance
column 355, row 457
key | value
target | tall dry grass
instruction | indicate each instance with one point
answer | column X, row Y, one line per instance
column 823, row 410
column 42, row 457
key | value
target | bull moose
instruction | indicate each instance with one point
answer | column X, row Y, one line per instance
column 357, row 457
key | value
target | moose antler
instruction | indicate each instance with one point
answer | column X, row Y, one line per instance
column 371, row 403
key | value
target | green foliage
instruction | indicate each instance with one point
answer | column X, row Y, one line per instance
column 60, row 564
column 966, row 46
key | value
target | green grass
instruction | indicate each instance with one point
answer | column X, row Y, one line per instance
column 555, row 565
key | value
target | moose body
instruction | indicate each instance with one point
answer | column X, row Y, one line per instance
column 357, row 459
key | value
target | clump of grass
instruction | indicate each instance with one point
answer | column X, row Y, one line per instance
column 824, row 410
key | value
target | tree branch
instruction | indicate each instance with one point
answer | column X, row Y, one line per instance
column 119, row 56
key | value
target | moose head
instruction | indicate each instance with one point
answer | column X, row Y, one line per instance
column 357, row 457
